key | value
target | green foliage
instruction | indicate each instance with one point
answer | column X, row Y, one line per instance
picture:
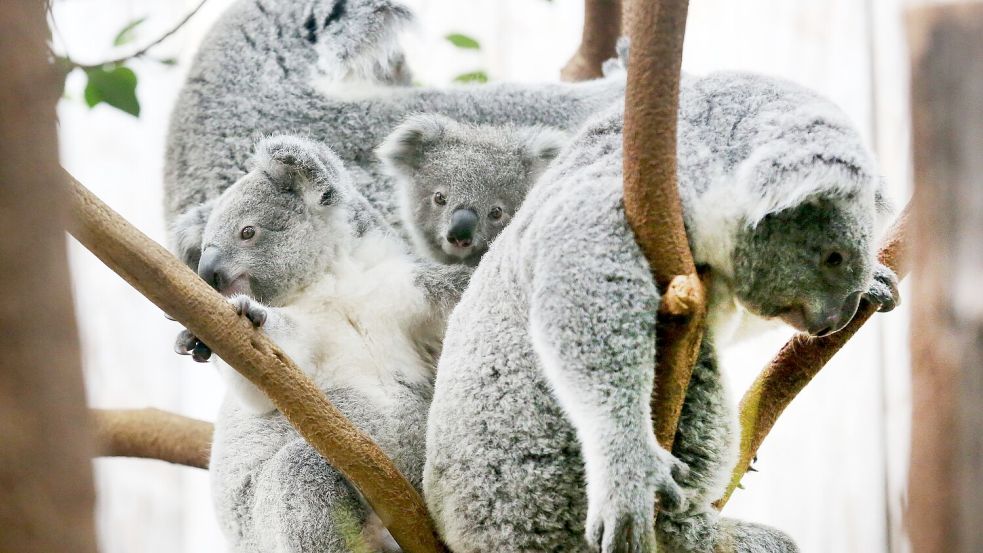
column 472, row 77
column 128, row 32
column 463, row 41
column 114, row 85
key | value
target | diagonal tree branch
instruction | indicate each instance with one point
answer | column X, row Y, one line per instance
column 800, row 360
column 173, row 287
column 153, row 434
column 652, row 205
column 602, row 27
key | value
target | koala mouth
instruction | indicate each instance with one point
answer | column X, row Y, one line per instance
column 238, row 285
column 462, row 249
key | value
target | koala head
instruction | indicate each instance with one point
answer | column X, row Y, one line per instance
column 279, row 227
column 808, row 265
column 460, row 184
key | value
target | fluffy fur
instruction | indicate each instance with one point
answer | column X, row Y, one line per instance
column 276, row 66
column 358, row 314
column 556, row 389
column 457, row 180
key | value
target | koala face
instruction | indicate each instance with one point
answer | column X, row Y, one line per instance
column 461, row 184
column 808, row 265
column 279, row 227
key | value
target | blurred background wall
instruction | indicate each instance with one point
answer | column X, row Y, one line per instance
column 831, row 473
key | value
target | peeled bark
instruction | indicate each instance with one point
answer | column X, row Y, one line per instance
column 46, row 490
column 652, row 204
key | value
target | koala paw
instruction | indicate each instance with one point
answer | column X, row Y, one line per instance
column 884, row 291
column 622, row 520
column 189, row 344
column 250, row 309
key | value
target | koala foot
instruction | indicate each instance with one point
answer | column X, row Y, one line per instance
column 189, row 344
column 748, row 537
column 622, row 521
column 884, row 291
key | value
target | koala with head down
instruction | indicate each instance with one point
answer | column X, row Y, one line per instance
column 304, row 256
column 539, row 437
column 459, row 184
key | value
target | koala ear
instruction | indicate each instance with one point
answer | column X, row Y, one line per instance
column 403, row 151
column 186, row 233
column 307, row 168
column 541, row 145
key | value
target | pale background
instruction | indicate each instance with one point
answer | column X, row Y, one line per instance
column 831, row 473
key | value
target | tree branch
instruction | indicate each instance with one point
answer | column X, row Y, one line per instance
column 177, row 290
column 153, row 434
column 800, row 360
column 652, row 203
column 602, row 27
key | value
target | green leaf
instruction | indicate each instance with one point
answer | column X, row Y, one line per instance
column 472, row 77
column 114, row 85
column 127, row 34
column 167, row 61
column 463, row 41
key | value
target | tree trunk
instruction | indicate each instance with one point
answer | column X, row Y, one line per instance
column 602, row 27
column 46, row 490
column 945, row 502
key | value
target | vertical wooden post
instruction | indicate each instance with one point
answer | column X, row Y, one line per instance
column 945, row 513
column 46, row 490
column 652, row 204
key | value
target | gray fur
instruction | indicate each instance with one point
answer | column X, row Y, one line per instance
column 362, row 317
column 538, row 436
column 254, row 76
column 482, row 168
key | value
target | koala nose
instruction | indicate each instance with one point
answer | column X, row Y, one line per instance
column 829, row 322
column 463, row 224
column 210, row 269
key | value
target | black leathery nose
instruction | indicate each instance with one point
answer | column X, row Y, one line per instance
column 210, row 270
column 463, row 224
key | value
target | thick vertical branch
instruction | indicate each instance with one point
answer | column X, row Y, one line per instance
column 177, row 290
column 947, row 321
column 652, row 205
column 799, row 361
column 46, row 490
column 153, row 434
column 602, row 27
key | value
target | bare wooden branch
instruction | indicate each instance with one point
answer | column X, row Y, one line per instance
column 173, row 287
column 652, row 205
column 153, row 434
column 46, row 489
column 946, row 476
column 799, row 361
column 602, row 27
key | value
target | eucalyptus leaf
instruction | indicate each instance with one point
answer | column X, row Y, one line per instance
column 472, row 77
column 463, row 41
column 114, row 85
column 127, row 33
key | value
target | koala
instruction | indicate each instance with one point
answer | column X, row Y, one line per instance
column 307, row 259
column 333, row 71
column 539, row 435
column 459, row 184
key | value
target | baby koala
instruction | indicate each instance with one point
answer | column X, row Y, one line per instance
column 459, row 184
column 304, row 256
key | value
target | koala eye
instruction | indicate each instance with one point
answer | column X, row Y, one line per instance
column 439, row 198
column 496, row 213
column 833, row 259
column 247, row 232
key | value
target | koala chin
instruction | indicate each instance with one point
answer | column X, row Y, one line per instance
column 459, row 184
column 539, row 436
column 305, row 258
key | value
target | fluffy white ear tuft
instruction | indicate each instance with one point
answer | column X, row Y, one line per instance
column 542, row 145
column 403, row 151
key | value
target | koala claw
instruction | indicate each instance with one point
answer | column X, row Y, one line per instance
column 189, row 344
column 251, row 309
column 623, row 533
column 884, row 291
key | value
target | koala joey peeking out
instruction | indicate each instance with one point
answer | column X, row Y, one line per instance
column 460, row 184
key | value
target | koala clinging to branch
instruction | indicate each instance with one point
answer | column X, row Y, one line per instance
column 539, row 436
column 459, row 184
column 306, row 258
